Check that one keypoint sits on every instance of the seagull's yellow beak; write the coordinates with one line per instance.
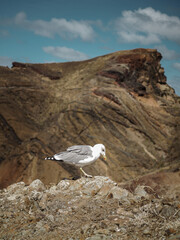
(104, 157)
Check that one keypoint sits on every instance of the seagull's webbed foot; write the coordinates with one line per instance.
(85, 174)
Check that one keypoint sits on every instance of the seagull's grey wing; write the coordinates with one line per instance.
(59, 156)
(81, 150)
(70, 157)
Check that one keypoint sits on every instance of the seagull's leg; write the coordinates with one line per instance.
(86, 175)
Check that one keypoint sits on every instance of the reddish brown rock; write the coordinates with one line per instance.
(121, 100)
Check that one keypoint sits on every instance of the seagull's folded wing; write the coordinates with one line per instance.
(81, 150)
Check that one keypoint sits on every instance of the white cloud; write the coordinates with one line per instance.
(177, 66)
(65, 53)
(147, 26)
(62, 27)
(5, 61)
(167, 53)
(4, 33)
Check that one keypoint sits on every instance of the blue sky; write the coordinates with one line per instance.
(40, 31)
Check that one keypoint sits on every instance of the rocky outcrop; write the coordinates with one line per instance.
(89, 209)
(121, 100)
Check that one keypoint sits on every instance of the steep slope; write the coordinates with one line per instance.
(121, 100)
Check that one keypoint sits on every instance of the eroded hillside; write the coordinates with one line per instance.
(121, 100)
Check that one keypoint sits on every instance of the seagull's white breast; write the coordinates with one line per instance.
(90, 159)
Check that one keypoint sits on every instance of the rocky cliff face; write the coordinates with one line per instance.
(91, 209)
(121, 100)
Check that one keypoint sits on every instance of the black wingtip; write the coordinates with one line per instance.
(49, 158)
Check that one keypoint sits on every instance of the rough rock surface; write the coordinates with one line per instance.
(121, 100)
(89, 209)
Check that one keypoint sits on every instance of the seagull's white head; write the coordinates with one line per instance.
(101, 149)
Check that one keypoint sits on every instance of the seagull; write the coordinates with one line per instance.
(80, 155)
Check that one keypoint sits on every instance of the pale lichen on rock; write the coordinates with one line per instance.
(95, 208)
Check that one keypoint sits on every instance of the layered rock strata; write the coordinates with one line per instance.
(121, 100)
